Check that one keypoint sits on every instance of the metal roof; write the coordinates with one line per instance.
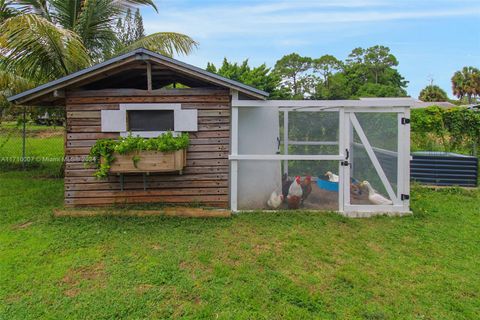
(141, 54)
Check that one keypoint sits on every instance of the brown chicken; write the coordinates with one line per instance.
(306, 188)
(294, 202)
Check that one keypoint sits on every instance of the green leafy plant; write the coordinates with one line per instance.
(101, 154)
(455, 129)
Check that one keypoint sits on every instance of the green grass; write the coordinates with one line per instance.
(43, 148)
(289, 265)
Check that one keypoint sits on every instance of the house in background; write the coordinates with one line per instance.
(416, 104)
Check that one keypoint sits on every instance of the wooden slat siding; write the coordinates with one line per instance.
(162, 99)
(187, 170)
(148, 93)
(139, 185)
(205, 179)
(97, 128)
(88, 178)
(96, 114)
(82, 147)
(221, 143)
(210, 200)
(145, 193)
(115, 106)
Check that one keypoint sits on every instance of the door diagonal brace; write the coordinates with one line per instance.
(373, 158)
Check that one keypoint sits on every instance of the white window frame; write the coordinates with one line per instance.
(116, 120)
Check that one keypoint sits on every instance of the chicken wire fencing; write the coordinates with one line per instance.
(27, 143)
(347, 159)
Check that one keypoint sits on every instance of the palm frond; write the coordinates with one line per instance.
(7, 10)
(166, 43)
(39, 7)
(65, 12)
(94, 25)
(40, 50)
(12, 83)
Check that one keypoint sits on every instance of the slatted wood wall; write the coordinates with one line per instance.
(205, 178)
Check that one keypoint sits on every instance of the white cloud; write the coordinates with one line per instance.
(287, 18)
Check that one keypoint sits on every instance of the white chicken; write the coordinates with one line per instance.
(295, 189)
(375, 197)
(275, 200)
(295, 193)
(332, 177)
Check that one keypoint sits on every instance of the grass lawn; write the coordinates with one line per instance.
(43, 147)
(252, 266)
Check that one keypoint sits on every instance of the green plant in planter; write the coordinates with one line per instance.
(105, 148)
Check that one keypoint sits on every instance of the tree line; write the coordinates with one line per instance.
(369, 72)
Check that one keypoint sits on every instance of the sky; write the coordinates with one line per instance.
(430, 38)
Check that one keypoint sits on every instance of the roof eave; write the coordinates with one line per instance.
(141, 54)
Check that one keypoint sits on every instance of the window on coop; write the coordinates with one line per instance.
(150, 120)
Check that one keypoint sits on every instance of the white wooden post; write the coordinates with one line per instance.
(341, 169)
(234, 152)
(285, 140)
(403, 174)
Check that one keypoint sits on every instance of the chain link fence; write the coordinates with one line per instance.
(31, 144)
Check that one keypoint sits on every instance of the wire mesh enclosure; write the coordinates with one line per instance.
(346, 156)
(25, 144)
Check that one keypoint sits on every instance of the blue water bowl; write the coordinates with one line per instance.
(327, 185)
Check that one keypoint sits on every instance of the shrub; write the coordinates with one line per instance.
(457, 128)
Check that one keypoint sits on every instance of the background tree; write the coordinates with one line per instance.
(130, 28)
(378, 59)
(259, 77)
(139, 30)
(371, 72)
(367, 72)
(466, 83)
(326, 65)
(292, 70)
(432, 93)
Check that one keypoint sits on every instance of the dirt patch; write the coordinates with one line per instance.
(17, 297)
(74, 277)
(375, 247)
(143, 288)
(48, 134)
(184, 265)
(156, 247)
(22, 225)
(260, 248)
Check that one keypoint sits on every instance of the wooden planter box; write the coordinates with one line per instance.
(150, 161)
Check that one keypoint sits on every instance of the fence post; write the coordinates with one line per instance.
(24, 133)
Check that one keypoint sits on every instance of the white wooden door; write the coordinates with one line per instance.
(375, 173)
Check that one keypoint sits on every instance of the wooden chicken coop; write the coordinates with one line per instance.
(244, 152)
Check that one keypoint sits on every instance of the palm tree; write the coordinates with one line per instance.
(45, 39)
(432, 93)
(466, 83)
